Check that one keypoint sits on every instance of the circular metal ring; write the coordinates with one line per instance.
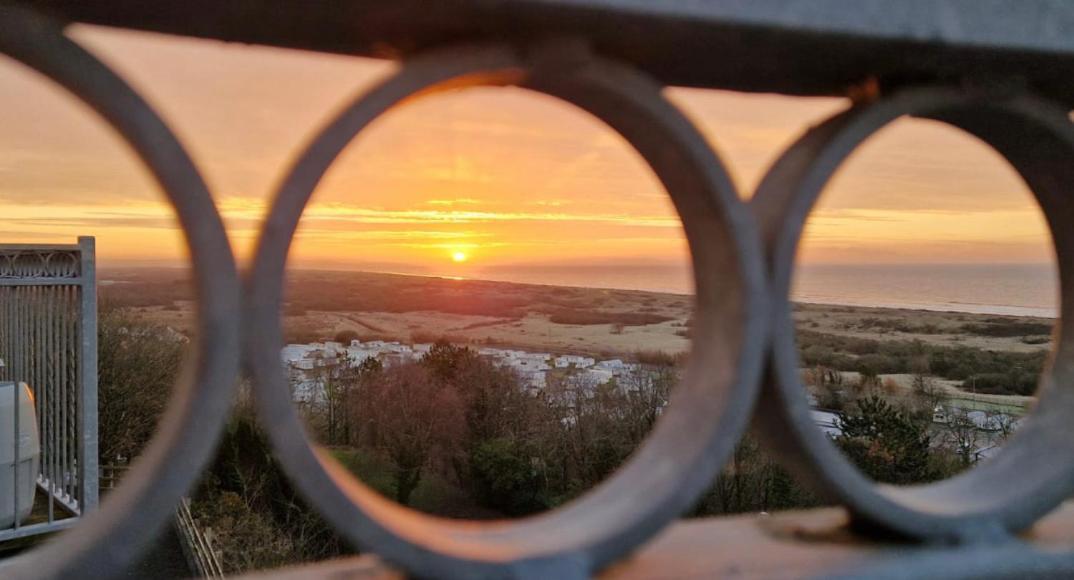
(709, 410)
(105, 542)
(1035, 470)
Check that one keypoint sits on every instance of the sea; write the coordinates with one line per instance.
(1004, 289)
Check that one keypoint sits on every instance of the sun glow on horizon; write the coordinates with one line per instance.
(472, 179)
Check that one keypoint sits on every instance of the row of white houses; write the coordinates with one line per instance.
(532, 367)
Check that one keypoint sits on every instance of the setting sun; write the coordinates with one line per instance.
(458, 257)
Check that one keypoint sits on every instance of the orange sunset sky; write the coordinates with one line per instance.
(478, 177)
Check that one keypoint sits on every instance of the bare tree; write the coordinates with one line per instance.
(409, 416)
(927, 396)
(138, 363)
(1004, 424)
(961, 434)
(335, 381)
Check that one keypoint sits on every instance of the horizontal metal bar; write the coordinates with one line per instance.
(802, 544)
(46, 281)
(34, 529)
(799, 47)
(39, 248)
(69, 504)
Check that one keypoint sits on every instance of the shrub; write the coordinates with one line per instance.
(504, 479)
(658, 358)
(346, 336)
(1002, 327)
(884, 442)
(137, 365)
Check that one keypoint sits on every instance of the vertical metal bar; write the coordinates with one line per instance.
(15, 487)
(73, 394)
(52, 418)
(62, 436)
(88, 379)
(65, 428)
(38, 345)
(33, 299)
(54, 371)
(19, 371)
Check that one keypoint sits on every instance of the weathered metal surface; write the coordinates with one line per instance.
(803, 544)
(1035, 471)
(708, 411)
(107, 540)
(86, 422)
(798, 47)
(1004, 58)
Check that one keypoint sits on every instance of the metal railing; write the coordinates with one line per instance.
(612, 59)
(197, 548)
(48, 340)
(201, 558)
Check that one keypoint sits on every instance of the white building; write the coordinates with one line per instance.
(578, 362)
(598, 376)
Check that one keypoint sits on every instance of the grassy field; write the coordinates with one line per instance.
(607, 323)
(957, 397)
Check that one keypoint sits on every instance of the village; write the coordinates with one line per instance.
(953, 425)
(533, 368)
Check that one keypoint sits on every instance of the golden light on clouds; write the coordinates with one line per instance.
(512, 176)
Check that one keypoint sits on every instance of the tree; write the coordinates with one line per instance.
(445, 360)
(335, 380)
(137, 364)
(409, 416)
(505, 477)
(962, 435)
(885, 442)
(927, 394)
(1004, 424)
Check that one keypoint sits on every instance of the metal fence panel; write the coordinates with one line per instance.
(48, 340)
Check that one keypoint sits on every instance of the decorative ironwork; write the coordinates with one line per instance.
(46, 304)
(668, 472)
(743, 322)
(106, 541)
(30, 263)
(1035, 471)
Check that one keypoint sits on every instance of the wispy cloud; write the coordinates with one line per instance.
(450, 202)
(369, 215)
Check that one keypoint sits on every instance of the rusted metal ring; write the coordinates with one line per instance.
(105, 542)
(1035, 470)
(709, 410)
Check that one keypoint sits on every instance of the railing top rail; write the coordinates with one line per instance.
(39, 247)
(798, 47)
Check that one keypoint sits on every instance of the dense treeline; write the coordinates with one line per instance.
(993, 326)
(455, 415)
